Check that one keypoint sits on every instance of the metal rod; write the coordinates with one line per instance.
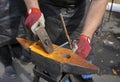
(110, 10)
(65, 29)
(61, 45)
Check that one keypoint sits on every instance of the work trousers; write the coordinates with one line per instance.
(10, 16)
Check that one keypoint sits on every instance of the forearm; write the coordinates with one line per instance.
(31, 4)
(94, 16)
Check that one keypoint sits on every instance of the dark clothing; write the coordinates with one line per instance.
(10, 16)
(5, 56)
(72, 13)
(67, 3)
(9, 21)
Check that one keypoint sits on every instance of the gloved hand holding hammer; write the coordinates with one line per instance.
(35, 18)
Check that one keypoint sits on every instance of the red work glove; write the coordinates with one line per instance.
(82, 46)
(35, 18)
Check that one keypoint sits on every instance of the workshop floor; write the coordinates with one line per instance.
(105, 54)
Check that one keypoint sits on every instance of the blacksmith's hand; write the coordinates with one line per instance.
(35, 18)
(82, 46)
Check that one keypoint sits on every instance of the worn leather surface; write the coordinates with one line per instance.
(67, 3)
(54, 26)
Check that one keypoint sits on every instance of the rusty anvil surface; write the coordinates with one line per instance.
(59, 61)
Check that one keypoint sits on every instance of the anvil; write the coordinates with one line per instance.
(57, 62)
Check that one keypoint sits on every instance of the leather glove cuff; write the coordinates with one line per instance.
(32, 10)
(84, 37)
